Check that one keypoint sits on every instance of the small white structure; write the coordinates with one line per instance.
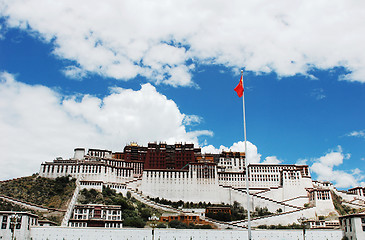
(79, 153)
(322, 224)
(95, 215)
(359, 191)
(16, 224)
(232, 161)
(353, 226)
(322, 199)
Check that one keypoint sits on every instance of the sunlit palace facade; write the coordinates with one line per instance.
(178, 171)
(181, 172)
(227, 168)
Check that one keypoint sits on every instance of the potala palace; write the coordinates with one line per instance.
(181, 172)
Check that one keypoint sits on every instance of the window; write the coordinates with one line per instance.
(350, 225)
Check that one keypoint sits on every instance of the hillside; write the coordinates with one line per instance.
(51, 193)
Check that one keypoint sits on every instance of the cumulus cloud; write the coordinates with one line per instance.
(252, 155)
(272, 160)
(38, 124)
(74, 72)
(324, 168)
(163, 40)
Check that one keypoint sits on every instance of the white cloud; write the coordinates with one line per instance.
(1, 32)
(272, 160)
(74, 72)
(38, 124)
(360, 133)
(192, 120)
(158, 40)
(302, 162)
(324, 168)
(252, 155)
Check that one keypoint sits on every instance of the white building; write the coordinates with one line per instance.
(96, 215)
(281, 187)
(353, 226)
(97, 165)
(359, 191)
(16, 224)
(232, 161)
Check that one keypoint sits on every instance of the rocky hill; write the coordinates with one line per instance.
(51, 193)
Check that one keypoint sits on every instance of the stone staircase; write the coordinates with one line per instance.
(72, 203)
(257, 196)
(140, 197)
(271, 216)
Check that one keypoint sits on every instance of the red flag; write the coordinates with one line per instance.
(239, 88)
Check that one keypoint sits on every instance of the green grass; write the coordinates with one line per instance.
(52, 193)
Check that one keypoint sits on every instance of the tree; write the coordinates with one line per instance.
(177, 224)
(129, 195)
(134, 222)
(146, 213)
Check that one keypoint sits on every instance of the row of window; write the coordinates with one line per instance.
(113, 225)
(320, 195)
(13, 223)
(77, 224)
(264, 178)
(84, 169)
(99, 153)
(167, 174)
(265, 169)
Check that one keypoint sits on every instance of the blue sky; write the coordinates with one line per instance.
(104, 75)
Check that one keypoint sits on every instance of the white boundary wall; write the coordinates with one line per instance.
(61, 233)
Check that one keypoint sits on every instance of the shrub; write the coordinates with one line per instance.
(220, 216)
(161, 225)
(134, 222)
(177, 224)
(146, 213)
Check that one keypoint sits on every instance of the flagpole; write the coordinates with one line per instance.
(246, 164)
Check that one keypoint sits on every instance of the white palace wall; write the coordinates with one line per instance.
(256, 202)
(187, 187)
(299, 201)
(292, 185)
(86, 171)
(67, 233)
(181, 185)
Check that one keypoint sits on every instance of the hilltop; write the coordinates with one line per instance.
(50, 193)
